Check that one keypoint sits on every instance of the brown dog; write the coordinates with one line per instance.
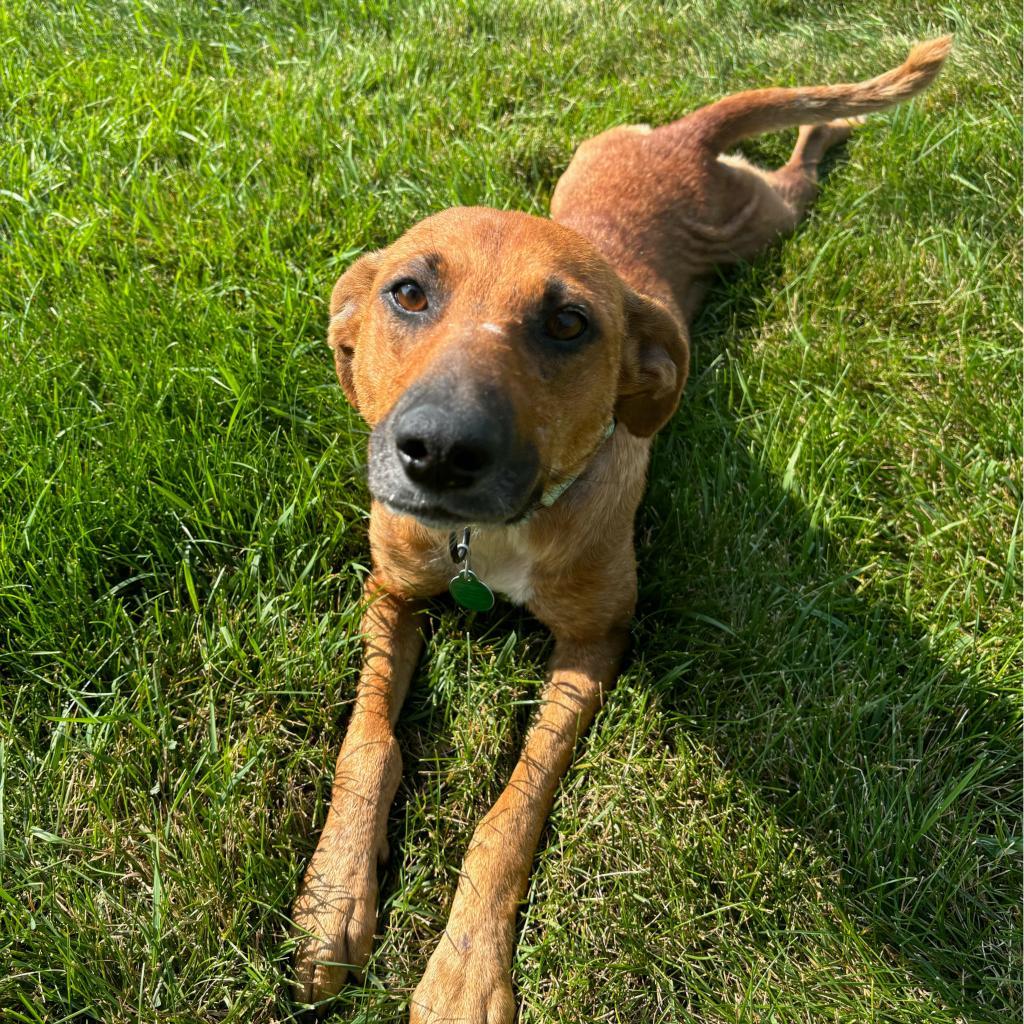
(514, 370)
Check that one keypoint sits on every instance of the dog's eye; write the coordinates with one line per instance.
(566, 324)
(410, 296)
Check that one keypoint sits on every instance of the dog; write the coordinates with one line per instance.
(513, 371)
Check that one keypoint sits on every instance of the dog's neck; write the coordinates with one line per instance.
(556, 490)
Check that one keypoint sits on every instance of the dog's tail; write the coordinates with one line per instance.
(721, 125)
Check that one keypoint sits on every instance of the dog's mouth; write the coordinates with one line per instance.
(434, 517)
(448, 512)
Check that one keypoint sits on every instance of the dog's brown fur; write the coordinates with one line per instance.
(639, 220)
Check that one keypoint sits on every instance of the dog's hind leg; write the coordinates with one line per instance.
(785, 194)
(796, 181)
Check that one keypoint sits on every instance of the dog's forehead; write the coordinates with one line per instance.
(503, 249)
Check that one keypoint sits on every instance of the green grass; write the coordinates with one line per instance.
(802, 803)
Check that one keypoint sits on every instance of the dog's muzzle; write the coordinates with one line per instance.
(450, 454)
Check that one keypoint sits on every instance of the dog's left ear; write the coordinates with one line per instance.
(655, 363)
(347, 304)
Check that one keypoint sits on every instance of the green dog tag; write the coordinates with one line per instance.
(471, 592)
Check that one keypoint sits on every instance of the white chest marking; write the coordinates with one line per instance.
(502, 560)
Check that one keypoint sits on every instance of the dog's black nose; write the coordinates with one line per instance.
(444, 449)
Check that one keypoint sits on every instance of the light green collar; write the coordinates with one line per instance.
(555, 491)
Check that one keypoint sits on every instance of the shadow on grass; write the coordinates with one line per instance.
(901, 767)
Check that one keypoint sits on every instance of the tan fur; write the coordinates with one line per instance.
(639, 220)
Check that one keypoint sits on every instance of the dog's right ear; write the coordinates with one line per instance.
(348, 302)
(655, 363)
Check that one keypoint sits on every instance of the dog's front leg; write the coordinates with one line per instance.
(468, 976)
(335, 913)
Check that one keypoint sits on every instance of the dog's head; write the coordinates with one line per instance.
(489, 351)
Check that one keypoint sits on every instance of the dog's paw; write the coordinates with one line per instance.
(471, 986)
(833, 133)
(335, 918)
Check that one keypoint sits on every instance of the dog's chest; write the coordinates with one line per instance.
(504, 561)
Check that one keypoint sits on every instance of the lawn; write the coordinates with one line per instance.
(801, 804)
